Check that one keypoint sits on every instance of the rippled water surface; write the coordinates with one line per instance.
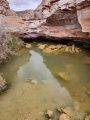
(26, 100)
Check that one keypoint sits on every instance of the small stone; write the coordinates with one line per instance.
(67, 111)
(28, 80)
(34, 82)
(52, 47)
(64, 75)
(28, 46)
(77, 50)
(50, 114)
(47, 50)
(59, 46)
(64, 117)
(88, 92)
(42, 46)
(87, 117)
(59, 109)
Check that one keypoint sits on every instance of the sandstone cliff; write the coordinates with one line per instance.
(8, 18)
(5, 9)
(63, 12)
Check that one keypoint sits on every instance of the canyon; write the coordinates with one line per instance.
(52, 20)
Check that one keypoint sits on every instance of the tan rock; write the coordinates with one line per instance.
(77, 50)
(64, 117)
(28, 45)
(67, 49)
(87, 117)
(68, 111)
(73, 48)
(50, 114)
(47, 50)
(52, 47)
(42, 46)
(64, 75)
(59, 46)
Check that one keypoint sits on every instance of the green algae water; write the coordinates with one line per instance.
(26, 100)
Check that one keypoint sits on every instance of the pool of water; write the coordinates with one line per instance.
(26, 100)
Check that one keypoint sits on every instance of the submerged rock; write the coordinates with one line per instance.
(47, 50)
(42, 46)
(29, 80)
(64, 75)
(50, 114)
(88, 92)
(3, 84)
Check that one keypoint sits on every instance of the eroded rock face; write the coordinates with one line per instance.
(64, 12)
(9, 19)
(5, 9)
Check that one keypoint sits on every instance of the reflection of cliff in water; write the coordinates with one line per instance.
(37, 70)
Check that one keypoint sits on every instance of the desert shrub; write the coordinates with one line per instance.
(8, 45)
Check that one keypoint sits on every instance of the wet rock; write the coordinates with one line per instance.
(59, 46)
(88, 92)
(59, 109)
(29, 80)
(67, 49)
(64, 75)
(87, 117)
(67, 111)
(64, 117)
(3, 84)
(42, 46)
(28, 46)
(47, 50)
(52, 47)
(34, 82)
(73, 48)
(77, 50)
(62, 49)
(50, 114)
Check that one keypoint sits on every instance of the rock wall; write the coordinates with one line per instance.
(9, 18)
(5, 9)
(64, 12)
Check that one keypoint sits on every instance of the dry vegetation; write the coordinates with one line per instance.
(8, 45)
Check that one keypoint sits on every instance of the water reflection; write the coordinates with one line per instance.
(37, 70)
